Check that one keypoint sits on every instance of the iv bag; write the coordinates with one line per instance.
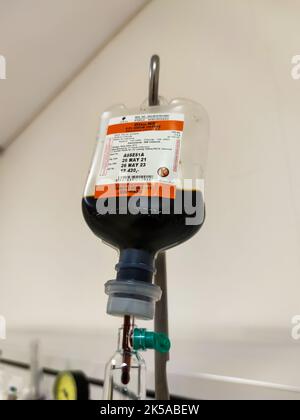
(145, 192)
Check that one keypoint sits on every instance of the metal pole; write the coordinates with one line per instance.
(161, 323)
(154, 80)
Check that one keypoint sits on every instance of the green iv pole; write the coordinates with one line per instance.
(161, 324)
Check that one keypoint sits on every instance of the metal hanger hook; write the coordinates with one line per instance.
(154, 80)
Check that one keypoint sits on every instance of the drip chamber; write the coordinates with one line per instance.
(125, 372)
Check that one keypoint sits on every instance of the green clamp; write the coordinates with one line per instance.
(143, 339)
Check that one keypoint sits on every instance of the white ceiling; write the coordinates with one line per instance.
(45, 44)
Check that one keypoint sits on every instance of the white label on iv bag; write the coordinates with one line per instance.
(141, 156)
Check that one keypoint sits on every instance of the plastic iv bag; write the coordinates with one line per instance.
(145, 192)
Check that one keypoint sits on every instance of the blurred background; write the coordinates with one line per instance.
(234, 288)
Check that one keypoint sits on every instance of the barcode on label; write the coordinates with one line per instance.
(135, 177)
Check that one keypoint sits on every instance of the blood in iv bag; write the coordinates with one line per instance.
(156, 227)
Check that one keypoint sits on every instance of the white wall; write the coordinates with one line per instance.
(45, 43)
(240, 277)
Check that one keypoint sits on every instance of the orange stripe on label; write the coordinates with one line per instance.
(141, 189)
(145, 126)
